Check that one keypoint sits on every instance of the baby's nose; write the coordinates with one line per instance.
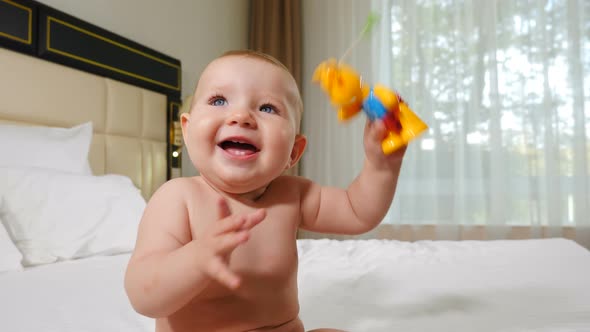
(241, 117)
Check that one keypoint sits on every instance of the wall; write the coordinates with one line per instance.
(194, 32)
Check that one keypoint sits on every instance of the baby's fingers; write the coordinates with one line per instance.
(242, 222)
(375, 130)
(230, 224)
(226, 243)
(254, 219)
(220, 272)
(223, 210)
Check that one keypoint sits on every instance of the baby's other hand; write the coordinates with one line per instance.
(375, 132)
(221, 238)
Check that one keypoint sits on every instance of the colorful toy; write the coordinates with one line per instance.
(349, 94)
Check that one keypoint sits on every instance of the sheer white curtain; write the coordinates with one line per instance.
(505, 89)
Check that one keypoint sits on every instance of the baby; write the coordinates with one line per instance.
(217, 252)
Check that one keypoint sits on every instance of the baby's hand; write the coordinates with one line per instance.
(375, 132)
(221, 238)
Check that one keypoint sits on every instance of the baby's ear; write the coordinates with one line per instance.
(297, 150)
(184, 121)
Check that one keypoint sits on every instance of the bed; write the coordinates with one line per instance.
(88, 131)
(85, 136)
(368, 285)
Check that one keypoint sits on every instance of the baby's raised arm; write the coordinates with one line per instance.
(168, 267)
(362, 206)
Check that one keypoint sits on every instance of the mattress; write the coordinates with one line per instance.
(524, 285)
(84, 295)
(368, 285)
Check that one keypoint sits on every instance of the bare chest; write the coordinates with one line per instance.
(269, 257)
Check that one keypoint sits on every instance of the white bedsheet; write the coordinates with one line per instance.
(84, 295)
(534, 285)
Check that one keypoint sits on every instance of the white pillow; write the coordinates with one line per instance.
(10, 257)
(63, 149)
(54, 216)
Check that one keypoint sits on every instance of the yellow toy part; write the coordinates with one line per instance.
(349, 95)
(387, 97)
(342, 85)
(411, 127)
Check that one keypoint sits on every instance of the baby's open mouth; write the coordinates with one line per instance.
(238, 148)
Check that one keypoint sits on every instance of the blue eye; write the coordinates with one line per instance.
(268, 109)
(217, 101)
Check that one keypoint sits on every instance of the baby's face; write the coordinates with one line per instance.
(242, 125)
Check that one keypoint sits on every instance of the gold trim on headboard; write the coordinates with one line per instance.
(29, 39)
(120, 71)
(175, 141)
(175, 131)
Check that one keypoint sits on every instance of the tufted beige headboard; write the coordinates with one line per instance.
(129, 122)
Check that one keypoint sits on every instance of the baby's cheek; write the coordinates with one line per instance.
(204, 132)
(284, 144)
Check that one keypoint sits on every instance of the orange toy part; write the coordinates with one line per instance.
(350, 95)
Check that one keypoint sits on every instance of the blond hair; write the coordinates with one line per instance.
(272, 60)
(259, 55)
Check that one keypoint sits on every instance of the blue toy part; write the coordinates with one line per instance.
(373, 107)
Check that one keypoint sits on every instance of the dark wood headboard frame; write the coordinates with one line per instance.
(36, 29)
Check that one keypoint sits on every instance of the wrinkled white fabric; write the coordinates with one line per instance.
(373, 286)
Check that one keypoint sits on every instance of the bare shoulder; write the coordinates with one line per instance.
(175, 188)
(165, 225)
(176, 193)
(296, 187)
(292, 182)
(308, 193)
(306, 188)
